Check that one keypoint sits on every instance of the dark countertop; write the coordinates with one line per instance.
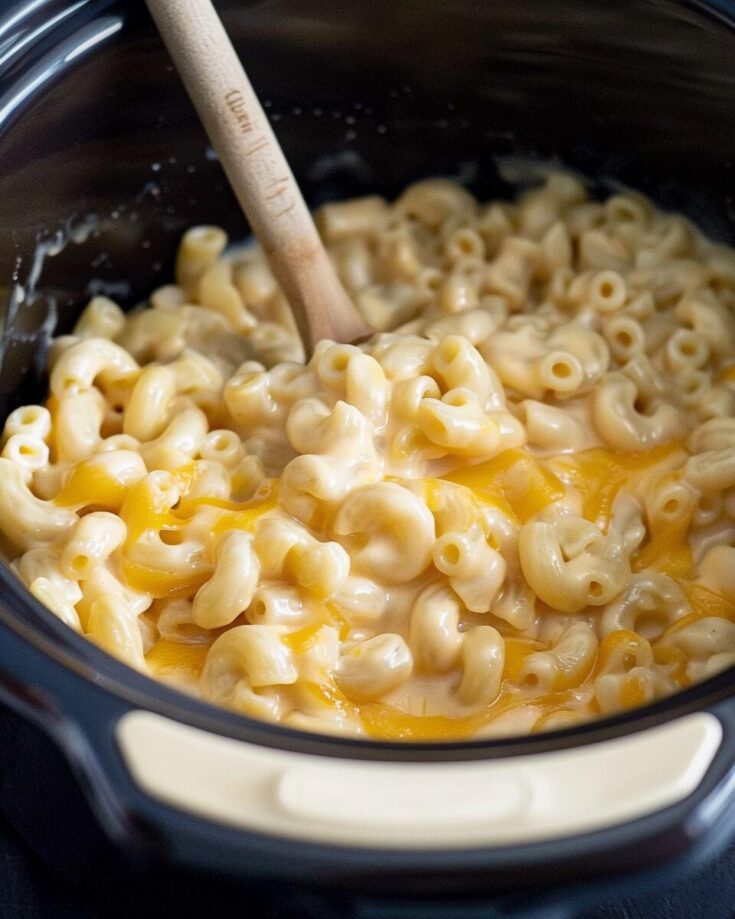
(29, 891)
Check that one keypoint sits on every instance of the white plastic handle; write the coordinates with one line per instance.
(418, 805)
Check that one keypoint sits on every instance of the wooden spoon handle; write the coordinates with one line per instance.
(257, 169)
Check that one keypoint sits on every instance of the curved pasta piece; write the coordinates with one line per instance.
(287, 550)
(566, 665)
(387, 530)
(648, 605)
(483, 658)
(79, 366)
(434, 633)
(221, 599)
(113, 625)
(370, 669)
(569, 564)
(25, 520)
(621, 425)
(252, 654)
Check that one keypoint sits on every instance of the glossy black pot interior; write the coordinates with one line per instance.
(96, 132)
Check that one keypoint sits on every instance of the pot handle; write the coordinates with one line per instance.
(437, 805)
(650, 800)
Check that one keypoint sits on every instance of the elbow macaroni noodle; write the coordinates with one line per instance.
(513, 508)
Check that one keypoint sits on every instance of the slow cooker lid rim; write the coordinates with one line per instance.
(23, 24)
(721, 11)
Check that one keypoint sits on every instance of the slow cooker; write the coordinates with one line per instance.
(113, 778)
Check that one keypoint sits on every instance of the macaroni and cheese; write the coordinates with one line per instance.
(512, 509)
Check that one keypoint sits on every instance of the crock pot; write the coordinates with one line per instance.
(111, 776)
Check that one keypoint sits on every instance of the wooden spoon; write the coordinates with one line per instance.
(257, 169)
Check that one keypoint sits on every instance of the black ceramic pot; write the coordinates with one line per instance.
(113, 777)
